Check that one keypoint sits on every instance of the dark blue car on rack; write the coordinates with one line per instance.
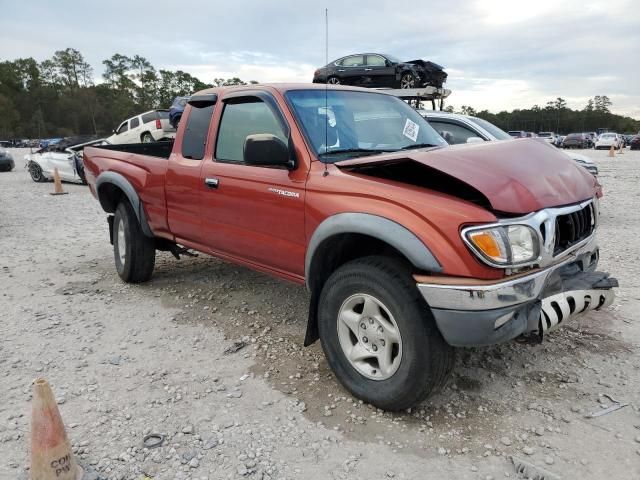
(175, 112)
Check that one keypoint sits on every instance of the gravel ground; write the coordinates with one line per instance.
(126, 360)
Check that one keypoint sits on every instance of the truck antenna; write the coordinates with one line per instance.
(326, 88)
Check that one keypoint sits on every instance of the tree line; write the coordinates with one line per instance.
(556, 117)
(59, 97)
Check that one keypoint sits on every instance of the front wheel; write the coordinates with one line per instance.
(379, 336)
(133, 251)
(36, 173)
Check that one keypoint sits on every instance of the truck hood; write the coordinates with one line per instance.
(516, 176)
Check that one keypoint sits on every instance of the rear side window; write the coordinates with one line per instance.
(240, 120)
(195, 134)
(134, 122)
(149, 117)
(163, 114)
(354, 61)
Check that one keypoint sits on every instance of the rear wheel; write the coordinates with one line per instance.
(146, 138)
(134, 252)
(333, 81)
(36, 173)
(379, 336)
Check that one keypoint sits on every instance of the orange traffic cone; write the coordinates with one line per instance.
(51, 456)
(57, 183)
(612, 152)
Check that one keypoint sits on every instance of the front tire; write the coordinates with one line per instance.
(379, 336)
(36, 173)
(133, 251)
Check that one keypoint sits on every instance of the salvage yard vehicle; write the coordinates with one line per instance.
(147, 127)
(377, 70)
(409, 247)
(549, 137)
(456, 128)
(176, 110)
(608, 140)
(576, 140)
(634, 144)
(6, 161)
(66, 156)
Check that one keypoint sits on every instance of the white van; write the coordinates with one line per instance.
(151, 126)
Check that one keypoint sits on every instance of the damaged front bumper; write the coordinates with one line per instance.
(486, 313)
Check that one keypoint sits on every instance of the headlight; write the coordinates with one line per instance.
(506, 246)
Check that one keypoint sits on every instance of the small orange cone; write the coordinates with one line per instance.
(612, 152)
(57, 183)
(51, 456)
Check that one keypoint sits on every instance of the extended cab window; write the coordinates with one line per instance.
(240, 119)
(134, 122)
(195, 134)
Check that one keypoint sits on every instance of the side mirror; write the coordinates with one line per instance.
(266, 150)
(474, 140)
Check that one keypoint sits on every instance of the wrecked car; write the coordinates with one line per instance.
(375, 70)
(409, 247)
(65, 155)
(6, 161)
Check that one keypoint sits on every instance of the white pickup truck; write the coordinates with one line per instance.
(151, 126)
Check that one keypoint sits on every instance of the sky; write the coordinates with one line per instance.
(499, 54)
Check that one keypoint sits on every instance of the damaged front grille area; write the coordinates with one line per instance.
(558, 308)
(571, 228)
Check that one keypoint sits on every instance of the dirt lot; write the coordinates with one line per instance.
(128, 360)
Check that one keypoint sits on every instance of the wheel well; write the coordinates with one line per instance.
(331, 254)
(339, 249)
(145, 133)
(110, 196)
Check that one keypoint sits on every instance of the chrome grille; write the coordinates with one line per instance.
(571, 228)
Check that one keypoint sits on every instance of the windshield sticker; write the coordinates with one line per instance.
(411, 130)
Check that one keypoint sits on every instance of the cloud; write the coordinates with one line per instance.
(500, 54)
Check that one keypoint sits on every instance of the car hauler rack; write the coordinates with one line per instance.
(417, 95)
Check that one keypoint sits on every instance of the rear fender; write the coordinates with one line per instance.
(109, 203)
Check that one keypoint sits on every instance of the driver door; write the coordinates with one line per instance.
(252, 213)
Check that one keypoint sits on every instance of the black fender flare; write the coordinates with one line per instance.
(125, 186)
(375, 226)
(388, 231)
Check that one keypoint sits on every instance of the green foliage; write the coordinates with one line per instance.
(557, 117)
(58, 97)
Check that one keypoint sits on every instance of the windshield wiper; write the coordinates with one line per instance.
(365, 151)
(418, 145)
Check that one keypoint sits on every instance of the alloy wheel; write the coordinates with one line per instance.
(369, 337)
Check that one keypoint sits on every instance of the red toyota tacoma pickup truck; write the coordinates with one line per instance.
(409, 247)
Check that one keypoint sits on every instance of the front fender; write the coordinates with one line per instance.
(378, 227)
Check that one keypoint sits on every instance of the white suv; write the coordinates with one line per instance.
(147, 127)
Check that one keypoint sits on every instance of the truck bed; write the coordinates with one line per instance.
(154, 149)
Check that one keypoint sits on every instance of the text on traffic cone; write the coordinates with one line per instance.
(51, 456)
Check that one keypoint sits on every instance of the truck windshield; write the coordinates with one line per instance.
(347, 124)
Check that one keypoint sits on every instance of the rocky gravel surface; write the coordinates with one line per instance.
(207, 360)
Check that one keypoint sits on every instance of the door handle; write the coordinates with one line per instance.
(341, 70)
(367, 69)
(211, 182)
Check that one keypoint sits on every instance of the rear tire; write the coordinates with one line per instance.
(408, 80)
(133, 251)
(333, 81)
(419, 360)
(146, 138)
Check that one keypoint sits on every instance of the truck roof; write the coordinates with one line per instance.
(284, 87)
